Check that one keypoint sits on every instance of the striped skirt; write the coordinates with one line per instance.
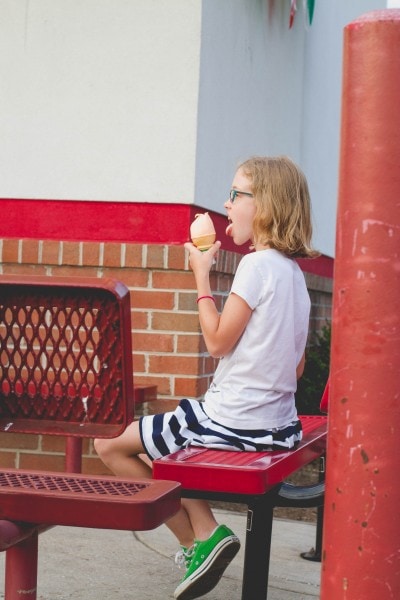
(188, 425)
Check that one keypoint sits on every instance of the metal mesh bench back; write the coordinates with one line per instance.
(65, 356)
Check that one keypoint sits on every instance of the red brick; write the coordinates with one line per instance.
(57, 443)
(10, 250)
(86, 445)
(152, 299)
(15, 269)
(133, 255)
(174, 280)
(70, 253)
(190, 343)
(165, 321)
(91, 451)
(227, 261)
(30, 251)
(194, 387)
(163, 383)
(155, 257)
(112, 255)
(19, 441)
(214, 277)
(94, 466)
(187, 301)
(184, 365)
(153, 342)
(41, 462)
(162, 406)
(144, 394)
(131, 277)
(50, 252)
(139, 365)
(224, 283)
(8, 460)
(90, 254)
(53, 443)
(72, 271)
(140, 319)
(208, 364)
(176, 258)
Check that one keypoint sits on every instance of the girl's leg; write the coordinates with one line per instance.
(194, 521)
(199, 512)
(201, 518)
(125, 457)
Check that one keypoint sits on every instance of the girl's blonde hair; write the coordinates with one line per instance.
(283, 209)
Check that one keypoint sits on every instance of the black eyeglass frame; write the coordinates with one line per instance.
(234, 193)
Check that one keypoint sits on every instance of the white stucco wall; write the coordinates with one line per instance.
(250, 99)
(268, 89)
(322, 91)
(99, 99)
(158, 100)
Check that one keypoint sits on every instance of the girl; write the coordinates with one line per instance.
(260, 338)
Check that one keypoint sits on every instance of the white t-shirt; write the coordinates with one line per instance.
(254, 385)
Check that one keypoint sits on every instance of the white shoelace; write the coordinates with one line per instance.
(184, 556)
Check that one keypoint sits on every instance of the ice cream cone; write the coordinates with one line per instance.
(202, 232)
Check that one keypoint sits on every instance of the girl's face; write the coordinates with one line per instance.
(241, 210)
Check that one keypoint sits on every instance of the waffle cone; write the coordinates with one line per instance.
(204, 242)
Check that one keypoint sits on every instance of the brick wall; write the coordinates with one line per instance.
(320, 289)
(168, 349)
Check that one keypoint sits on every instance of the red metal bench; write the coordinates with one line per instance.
(66, 369)
(255, 479)
(315, 553)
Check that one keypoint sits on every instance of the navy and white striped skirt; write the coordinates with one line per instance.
(188, 425)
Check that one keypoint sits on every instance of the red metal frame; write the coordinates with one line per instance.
(52, 498)
(66, 369)
(248, 473)
(134, 222)
(251, 478)
(63, 370)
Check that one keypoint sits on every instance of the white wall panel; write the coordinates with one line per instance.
(99, 99)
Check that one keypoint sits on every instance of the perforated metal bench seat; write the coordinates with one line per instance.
(66, 370)
(247, 473)
(86, 501)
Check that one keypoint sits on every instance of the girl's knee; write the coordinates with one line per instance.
(126, 445)
(102, 447)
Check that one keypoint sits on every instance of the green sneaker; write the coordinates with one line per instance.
(208, 562)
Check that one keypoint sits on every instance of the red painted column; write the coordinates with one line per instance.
(361, 546)
(21, 569)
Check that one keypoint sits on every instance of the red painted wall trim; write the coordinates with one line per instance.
(135, 222)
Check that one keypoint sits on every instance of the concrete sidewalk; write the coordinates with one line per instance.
(94, 564)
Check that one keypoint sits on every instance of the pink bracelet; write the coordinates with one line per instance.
(203, 297)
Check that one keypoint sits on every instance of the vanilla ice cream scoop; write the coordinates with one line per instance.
(202, 232)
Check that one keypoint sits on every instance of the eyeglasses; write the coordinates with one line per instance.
(234, 193)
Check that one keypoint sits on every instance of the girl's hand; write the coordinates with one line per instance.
(220, 331)
(201, 262)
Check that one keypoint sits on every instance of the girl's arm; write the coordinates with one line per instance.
(300, 366)
(220, 331)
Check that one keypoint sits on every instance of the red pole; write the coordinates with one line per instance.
(361, 546)
(21, 570)
(73, 454)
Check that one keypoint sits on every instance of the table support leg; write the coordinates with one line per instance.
(258, 548)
